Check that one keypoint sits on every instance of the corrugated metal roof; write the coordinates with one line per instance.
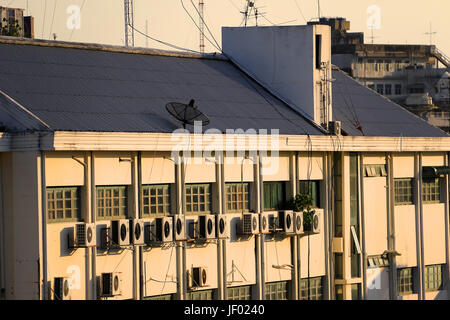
(88, 90)
(358, 106)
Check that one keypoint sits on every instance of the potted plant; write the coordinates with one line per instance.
(302, 203)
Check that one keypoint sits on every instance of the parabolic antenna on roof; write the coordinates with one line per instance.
(186, 113)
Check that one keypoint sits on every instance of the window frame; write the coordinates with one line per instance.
(281, 202)
(209, 294)
(277, 288)
(125, 206)
(167, 200)
(431, 190)
(74, 211)
(246, 201)
(239, 295)
(403, 199)
(314, 187)
(406, 281)
(207, 202)
(315, 288)
(439, 277)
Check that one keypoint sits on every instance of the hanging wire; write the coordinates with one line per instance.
(206, 25)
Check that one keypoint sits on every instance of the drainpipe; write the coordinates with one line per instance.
(391, 229)
(93, 220)
(330, 222)
(179, 179)
(294, 249)
(363, 225)
(258, 242)
(220, 190)
(43, 261)
(447, 231)
(224, 242)
(87, 209)
(418, 207)
(139, 212)
(135, 215)
(326, 230)
(297, 238)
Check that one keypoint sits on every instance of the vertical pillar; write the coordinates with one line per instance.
(93, 217)
(44, 294)
(447, 231)
(391, 228)
(219, 196)
(293, 181)
(135, 215)
(260, 208)
(363, 226)
(418, 207)
(179, 182)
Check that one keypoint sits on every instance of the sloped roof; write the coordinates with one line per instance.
(363, 111)
(73, 89)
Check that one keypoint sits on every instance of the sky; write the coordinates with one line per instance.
(102, 21)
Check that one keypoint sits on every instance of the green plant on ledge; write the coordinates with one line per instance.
(303, 203)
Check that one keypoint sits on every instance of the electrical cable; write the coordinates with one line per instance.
(43, 20)
(167, 272)
(53, 18)
(299, 9)
(206, 25)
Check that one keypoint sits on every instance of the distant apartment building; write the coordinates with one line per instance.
(11, 15)
(415, 76)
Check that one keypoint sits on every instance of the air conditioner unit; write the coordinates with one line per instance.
(298, 223)
(286, 221)
(221, 227)
(163, 230)
(110, 284)
(179, 228)
(198, 277)
(264, 226)
(206, 227)
(61, 289)
(249, 224)
(316, 222)
(83, 236)
(120, 232)
(137, 231)
(335, 128)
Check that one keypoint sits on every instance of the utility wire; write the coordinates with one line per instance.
(187, 12)
(53, 19)
(206, 25)
(300, 10)
(43, 20)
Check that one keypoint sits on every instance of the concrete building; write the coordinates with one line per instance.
(87, 144)
(413, 76)
(25, 23)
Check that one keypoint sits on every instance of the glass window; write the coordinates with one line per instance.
(315, 289)
(63, 204)
(274, 195)
(112, 202)
(388, 89)
(403, 189)
(405, 281)
(238, 197)
(398, 89)
(380, 89)
(311, 188)
(161, 297)
(433, 277)
(239, 293)
(277, 290)
(198, 198)
(156, 200)
(356, 291)
(387, 65)
(431, 191)
(200, 295)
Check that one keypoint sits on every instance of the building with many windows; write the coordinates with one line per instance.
(104, 195)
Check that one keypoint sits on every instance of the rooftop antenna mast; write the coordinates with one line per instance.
(201, 5)
(129, 23)
(249, 6)
(431, 34)
(318, 9)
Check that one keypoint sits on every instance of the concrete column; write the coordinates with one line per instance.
(221, 288)
(418, 207)
(294, 250)
(258, 242)
(326, 226)
(446, 276)
(42, 196)
(93, 217)
(179, 184)
(135, 215)
(391, 228)
(363, 226)
(87, 215)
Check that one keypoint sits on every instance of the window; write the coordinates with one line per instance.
(379, 65)
(375, 170)
(403, 189)
(63, 204)
(238, 197)
(398, 64)
(315, 289)
(387, 65)
(431, 191)
(433, 277)
(274, 195)
(161, 297)
(339, 292)
(311, 188)
(156, 199)
(388, 89)
(377, 261)
(356, 291)
(198, 198)
(112, 202)
(277, 290)
(200, 295)
(398, 89)
(405, 281)
(371, 86)
(239, 293)
(339, 266)
(380, 89)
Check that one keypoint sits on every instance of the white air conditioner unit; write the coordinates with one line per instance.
(83, 236)
(206, 227)
(120, 232)
(286, 221)
(137, 231)
(249, 224)
(61, 289)
(110, 284)
(179, 228)
(264, 226)
(335, 128)
(162, 230)
(298, 223)
(198, 277)
(222, 226)
(316, 222)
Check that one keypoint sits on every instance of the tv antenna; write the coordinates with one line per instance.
(249, 7)
(431, 34)
(201, 24)
(129, 23)
(372, 37)
(186, 113)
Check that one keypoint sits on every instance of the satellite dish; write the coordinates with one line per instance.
(186, 113)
